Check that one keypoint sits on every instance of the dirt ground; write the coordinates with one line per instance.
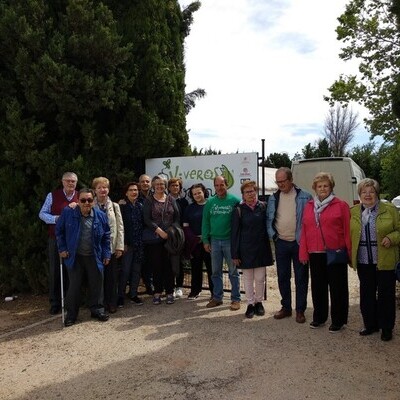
(186, 351)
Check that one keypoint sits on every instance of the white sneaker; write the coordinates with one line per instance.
(178, 292)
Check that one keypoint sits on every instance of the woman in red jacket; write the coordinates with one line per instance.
(326, 225)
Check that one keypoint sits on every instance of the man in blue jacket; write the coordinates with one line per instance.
(284, 218)
(83, 239)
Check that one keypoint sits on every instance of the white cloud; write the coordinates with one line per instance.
(265, 65)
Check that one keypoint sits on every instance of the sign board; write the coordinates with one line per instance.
(236, 168)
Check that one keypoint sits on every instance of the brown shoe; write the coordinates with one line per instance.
(300, 318)
(282, 313)
(235, 305)
(213, 303)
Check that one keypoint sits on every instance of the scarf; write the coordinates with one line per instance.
(366, 214)
(320, 206)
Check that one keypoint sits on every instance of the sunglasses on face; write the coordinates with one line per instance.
(89, 200)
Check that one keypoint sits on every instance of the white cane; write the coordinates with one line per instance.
(62, 291)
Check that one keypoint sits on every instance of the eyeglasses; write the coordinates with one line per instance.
(89, 200)
(249, 191)
(280, 182)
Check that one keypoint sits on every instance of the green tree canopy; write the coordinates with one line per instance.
(370, 35)
(85, 86)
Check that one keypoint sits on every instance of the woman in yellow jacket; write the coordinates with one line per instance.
(375, 236)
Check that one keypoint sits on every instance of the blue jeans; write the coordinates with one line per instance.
(287, 252)
(220, 250)
(130, 271)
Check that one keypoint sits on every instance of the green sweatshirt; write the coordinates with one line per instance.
(217, 214)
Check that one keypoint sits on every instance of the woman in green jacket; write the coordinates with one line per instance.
(375, 237)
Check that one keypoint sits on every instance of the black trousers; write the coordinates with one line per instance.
(84, 266)
(377, 296)
(196, 263)
(163, 276)
(111, 274)
(329, 280)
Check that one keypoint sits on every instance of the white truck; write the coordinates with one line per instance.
(346, 173)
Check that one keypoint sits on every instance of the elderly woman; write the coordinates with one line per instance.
(192, 220)
(132, 216)
(160, 212)
(101, 186)
(250, 246)
(326, 225)
(375, 236)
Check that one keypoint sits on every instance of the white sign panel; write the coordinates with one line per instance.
(236, 168)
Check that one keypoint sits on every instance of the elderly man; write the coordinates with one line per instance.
(83, 238)
(49, 213)
(284, 216)
(144, 186)
(216, 237)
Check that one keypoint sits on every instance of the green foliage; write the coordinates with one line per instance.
(369, 33)
(320, 149)
(390, 170)
(85, 86)
(369, 159)
(278, 160)
(204, 152)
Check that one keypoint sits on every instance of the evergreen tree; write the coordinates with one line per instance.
(85, 86)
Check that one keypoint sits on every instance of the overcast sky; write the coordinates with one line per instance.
(265, 65)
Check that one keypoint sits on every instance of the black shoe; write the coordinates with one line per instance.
(150, 290)
(101, 316)
(136, 300)
(259, 309)
(120, 302)
(368, 331)
(316, 325)
(69, 321)
(55, 310)
(386, 335)
(335, 328)
(250, 311)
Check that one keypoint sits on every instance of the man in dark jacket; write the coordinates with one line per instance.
(83, 239)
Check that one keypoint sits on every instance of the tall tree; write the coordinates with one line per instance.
(278, 160)
(92, 87)
(340, 125)
(390, 168)
(369, 33)
(320, 149)
(369, 159)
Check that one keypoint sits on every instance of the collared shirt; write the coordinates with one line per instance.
(85, 246)
(368, 247)
(45, 212)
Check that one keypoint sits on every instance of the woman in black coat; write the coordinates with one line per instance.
(250, 247)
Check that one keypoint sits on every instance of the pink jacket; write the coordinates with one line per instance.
(334, 223)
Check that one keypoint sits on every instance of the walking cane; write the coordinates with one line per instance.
(62, 291)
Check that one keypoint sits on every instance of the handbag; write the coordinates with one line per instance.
(338, 256)
(334, 256)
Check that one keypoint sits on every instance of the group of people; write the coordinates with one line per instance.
(322, 232)
(153, 229)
